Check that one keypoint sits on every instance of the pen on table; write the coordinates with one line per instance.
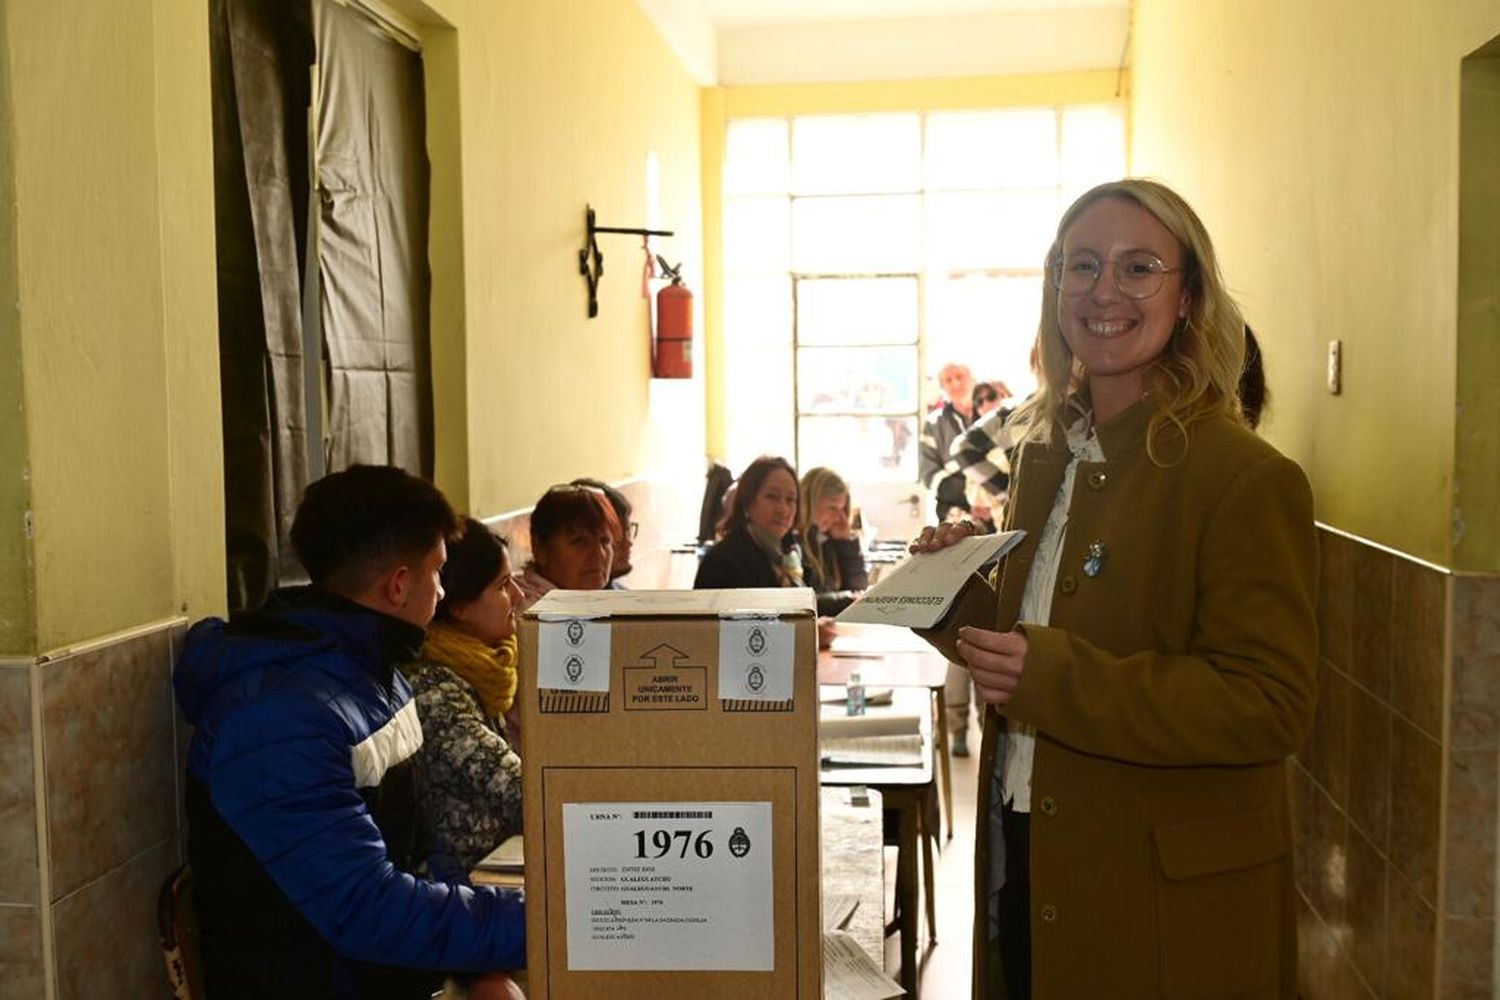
(839, 654)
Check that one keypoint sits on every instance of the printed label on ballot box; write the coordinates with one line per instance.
(669, 886)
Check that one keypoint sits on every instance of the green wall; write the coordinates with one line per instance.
(117, 324)
(17, 626)
(1319, 141)
(107, 245)
(559, 105)
(1476, 487)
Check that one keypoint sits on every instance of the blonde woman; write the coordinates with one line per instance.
(833, 564)
(1149, 658)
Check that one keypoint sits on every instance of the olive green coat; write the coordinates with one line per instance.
(1167, 691)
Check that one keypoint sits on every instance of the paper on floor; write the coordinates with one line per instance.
(850, 974)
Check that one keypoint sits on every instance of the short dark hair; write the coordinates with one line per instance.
(749, 484)
(617, 500)
(474, 560)
(352, 526)
(567, 506)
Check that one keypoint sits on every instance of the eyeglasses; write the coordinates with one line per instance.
(1138, 274)
(632, 529)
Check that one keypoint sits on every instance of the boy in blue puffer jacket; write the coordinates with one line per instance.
(306, 834)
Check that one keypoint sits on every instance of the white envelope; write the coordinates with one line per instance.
(918, 592)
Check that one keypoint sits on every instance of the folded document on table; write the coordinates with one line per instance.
(508, 857)
(871, 741)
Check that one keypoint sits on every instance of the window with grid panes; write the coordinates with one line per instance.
(863, 252)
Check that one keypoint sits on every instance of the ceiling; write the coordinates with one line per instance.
(756, 42)
(741, 13)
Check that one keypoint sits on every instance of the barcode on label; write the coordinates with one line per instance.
(675, 814)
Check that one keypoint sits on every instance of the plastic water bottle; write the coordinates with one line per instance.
(854, 694)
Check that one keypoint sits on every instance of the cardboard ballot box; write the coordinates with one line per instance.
(670, 766)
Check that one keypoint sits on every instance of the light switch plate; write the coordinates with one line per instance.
(1335, 367)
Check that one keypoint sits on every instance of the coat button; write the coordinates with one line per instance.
(1067, 585)
(1049, 806)
(1049, 914)
(1097, 480)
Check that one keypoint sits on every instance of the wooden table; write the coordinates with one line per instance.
(887, 656)
(908, 791)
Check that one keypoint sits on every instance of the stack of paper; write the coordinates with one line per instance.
(508, 857)
(871, 741)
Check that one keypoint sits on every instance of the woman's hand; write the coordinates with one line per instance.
(995, 659)
(834, 522)
(936, 538)
(827, 629)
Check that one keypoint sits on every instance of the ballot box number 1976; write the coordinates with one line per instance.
(669, 885)
(660, 842)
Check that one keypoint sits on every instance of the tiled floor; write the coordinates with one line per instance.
(946, 965)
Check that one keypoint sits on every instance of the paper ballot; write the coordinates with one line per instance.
(850, 974)
(919, 591)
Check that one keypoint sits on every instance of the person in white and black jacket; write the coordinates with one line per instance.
(936, 469)
(991, 437)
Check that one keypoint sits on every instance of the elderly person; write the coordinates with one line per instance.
(937, 471)
(1149, 657)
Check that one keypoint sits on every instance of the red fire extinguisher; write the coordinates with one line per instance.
(672, 353)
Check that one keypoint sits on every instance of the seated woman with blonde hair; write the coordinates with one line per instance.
(832, 563)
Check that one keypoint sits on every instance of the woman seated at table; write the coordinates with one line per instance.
(832, 563)
(464, 683)
(759, 547)
(573, 531)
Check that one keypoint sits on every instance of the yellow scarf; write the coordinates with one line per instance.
(490, 672)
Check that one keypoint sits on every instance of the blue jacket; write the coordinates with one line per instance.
(307, 837)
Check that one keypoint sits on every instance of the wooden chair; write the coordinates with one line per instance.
(177, 926)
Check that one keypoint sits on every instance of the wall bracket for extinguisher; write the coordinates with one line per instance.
(591, 261)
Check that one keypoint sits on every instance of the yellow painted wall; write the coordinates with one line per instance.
(17, 625)
(1319, 141)
(1476, 460)
(115, 276)
(559, 105)
(534, 109)
(721, 104)
(184, 165)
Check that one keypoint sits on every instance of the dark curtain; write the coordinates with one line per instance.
(370, 286)
(372, 245)
(261, 51)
